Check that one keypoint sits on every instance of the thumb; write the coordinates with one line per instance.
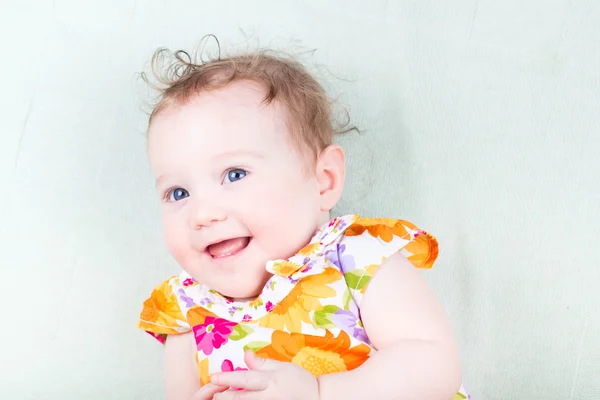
(257, 363)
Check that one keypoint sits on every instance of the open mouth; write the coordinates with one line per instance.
(227, 248)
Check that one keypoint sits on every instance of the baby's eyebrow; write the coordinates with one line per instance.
(159, 180)
(239, 153)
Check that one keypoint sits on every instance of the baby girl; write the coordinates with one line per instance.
(277, 300)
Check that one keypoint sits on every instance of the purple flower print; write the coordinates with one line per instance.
(348, 321)
(212, 334)
(307, 265)
(341, 225)
(345, 262)
(206, 302)
(185, 298)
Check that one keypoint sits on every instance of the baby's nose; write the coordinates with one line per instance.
(207, 213)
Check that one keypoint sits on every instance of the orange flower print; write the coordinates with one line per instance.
(383, 228)
(162, 311)
(197, 315)
(422, 251)
(318, 355)
(296, 307)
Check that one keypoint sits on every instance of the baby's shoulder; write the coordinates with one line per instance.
(162, 313)
(372, 240)
(366, 243)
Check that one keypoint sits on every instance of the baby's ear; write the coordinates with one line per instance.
(331, 172)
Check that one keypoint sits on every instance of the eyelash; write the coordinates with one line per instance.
(228, 170)
(167, 195)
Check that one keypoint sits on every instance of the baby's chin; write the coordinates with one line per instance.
(241, 292)
(241, 295)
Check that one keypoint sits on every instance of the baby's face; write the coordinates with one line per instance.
(234, 191)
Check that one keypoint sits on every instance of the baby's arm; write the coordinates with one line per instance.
(181, 371)
(417, 357)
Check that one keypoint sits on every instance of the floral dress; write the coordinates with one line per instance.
(307, 313)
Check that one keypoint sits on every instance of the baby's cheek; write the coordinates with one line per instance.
(174, 241)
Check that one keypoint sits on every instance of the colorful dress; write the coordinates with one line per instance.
(307, 313)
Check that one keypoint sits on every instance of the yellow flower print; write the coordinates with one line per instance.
(296, 307)
(285, 268)
(203, 369)
(257, 302)
(310, 249)
(318, 355)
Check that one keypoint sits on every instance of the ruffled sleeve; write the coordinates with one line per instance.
(368, 242)
(162, 313)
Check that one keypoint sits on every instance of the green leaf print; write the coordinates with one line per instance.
(255, 346)
(240, 331)
(357, 279)
(346, 299)
(320, 320)
(321, 317)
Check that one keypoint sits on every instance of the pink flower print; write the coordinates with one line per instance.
(269, 306)
(188, 282)
(227, 366)
(246, 318)
(161, 337)
(212, 334)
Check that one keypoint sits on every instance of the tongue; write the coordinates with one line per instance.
(228, 247)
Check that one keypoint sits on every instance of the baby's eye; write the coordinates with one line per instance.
(176, 194)
(234, 175)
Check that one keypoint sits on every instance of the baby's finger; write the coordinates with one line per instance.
(245, 395)
(207, 391)
(248, 380)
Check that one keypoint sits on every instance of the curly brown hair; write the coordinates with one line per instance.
(285, 80)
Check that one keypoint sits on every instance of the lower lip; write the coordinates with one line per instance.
(226, 257)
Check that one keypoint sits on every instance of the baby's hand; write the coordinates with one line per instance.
(208, 391)
(267, 380)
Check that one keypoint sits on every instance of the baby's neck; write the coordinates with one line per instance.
(324, 218)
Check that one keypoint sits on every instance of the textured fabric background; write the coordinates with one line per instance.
(481, 125)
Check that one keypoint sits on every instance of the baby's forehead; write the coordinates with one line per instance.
(228, 117)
